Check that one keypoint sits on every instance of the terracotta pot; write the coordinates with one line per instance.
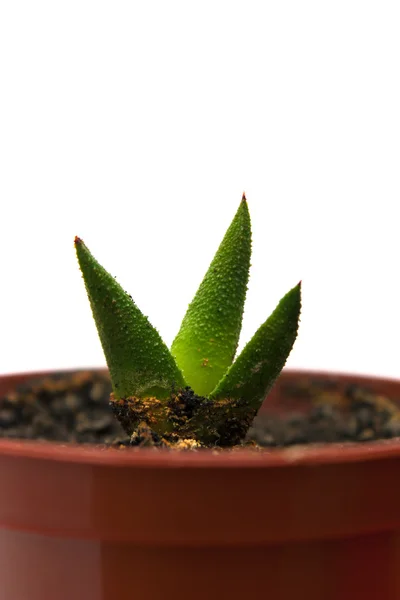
(99, 524)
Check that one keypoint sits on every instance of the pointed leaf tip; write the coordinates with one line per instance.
(77, 240)
(258, 365)
(244, 197)
(206, 343)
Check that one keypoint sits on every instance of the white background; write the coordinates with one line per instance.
(137, 125)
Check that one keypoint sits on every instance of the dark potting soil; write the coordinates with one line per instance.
(70, 407)
(75, 407)
(330, 412)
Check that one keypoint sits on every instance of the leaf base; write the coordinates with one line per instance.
(184, 418)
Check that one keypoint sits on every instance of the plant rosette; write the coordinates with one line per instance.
(196, 393)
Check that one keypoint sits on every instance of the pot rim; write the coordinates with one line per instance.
(315, 454)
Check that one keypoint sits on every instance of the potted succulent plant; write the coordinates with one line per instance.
(195, 507)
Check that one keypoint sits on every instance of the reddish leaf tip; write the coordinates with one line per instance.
(77, 240)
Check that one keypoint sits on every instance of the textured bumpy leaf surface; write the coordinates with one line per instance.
(262, 359)
(140, 363)
(206, 343)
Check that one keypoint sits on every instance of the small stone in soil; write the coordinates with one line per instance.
(391, 429)
(8, 417)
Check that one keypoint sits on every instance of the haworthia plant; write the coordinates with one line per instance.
(195, 390)
(207, 340)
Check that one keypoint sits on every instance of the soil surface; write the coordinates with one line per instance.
(62, 408)
(75, 407)
(327, 412)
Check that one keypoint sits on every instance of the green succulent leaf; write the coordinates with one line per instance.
(139, 362)
(206, 343)
(254, 371)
